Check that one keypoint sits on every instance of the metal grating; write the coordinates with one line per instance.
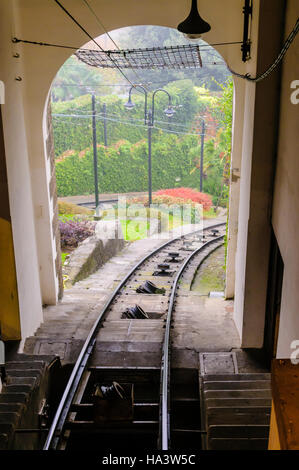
(173, 57)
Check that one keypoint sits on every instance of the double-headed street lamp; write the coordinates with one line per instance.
(149, 120)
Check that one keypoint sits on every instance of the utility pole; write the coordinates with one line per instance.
(95, 156)
(105, 125)
(149, 123)
(201, 153)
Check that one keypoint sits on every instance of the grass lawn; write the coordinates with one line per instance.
(63, 256)
(132, 229)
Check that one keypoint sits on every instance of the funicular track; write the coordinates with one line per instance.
(153, 390)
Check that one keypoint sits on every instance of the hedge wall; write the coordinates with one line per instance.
(75, 133)
(123, 167)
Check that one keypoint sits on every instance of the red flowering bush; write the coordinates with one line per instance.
(187, 195)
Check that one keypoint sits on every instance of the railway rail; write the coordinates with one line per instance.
(75, 416)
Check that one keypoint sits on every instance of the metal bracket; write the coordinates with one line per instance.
(43, 414)
(3, 375)
(246, 45)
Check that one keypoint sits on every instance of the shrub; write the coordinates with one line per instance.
(186, 195)
(69, 208)
(123, 167)
(72, 232)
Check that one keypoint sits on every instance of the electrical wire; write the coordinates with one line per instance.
(91, 38)
(111, 39)
(279, 58)
(83, 64)
(256, 79)
(66, 85)
(100, 23)
(156, 127)
(76, 48)
(131, 124)
(114, 115)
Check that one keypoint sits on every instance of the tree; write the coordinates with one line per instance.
(73, 77)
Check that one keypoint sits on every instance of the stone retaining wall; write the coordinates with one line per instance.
(94, 252)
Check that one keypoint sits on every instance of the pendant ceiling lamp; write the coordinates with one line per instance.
(194, 26)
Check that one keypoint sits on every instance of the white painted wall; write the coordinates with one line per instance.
(234, 193)
(258, 165)
(285, 218)
(244, 208)
(19, 181)
(244, 159)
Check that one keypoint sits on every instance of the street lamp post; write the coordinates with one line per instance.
(203, 129)
(149, 134)
(105, 125)
(95, 151)
(95, 156)
(149, 116)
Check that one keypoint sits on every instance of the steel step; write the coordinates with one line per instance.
(264, 393)
(239, 431)
(238, 444)
(237, 402)
(238, 385)
(236, 411)
(238, 416)
(236, 377)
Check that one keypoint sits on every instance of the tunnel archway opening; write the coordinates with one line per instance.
(196, 95)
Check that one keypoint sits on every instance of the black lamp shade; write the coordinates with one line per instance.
(194, 25)
(169, 112)
(129, 104)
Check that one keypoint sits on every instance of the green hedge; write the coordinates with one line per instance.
(75, 133)
(123, 167)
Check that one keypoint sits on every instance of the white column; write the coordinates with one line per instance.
(234, 194)
(35, 115)
(19, 179)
